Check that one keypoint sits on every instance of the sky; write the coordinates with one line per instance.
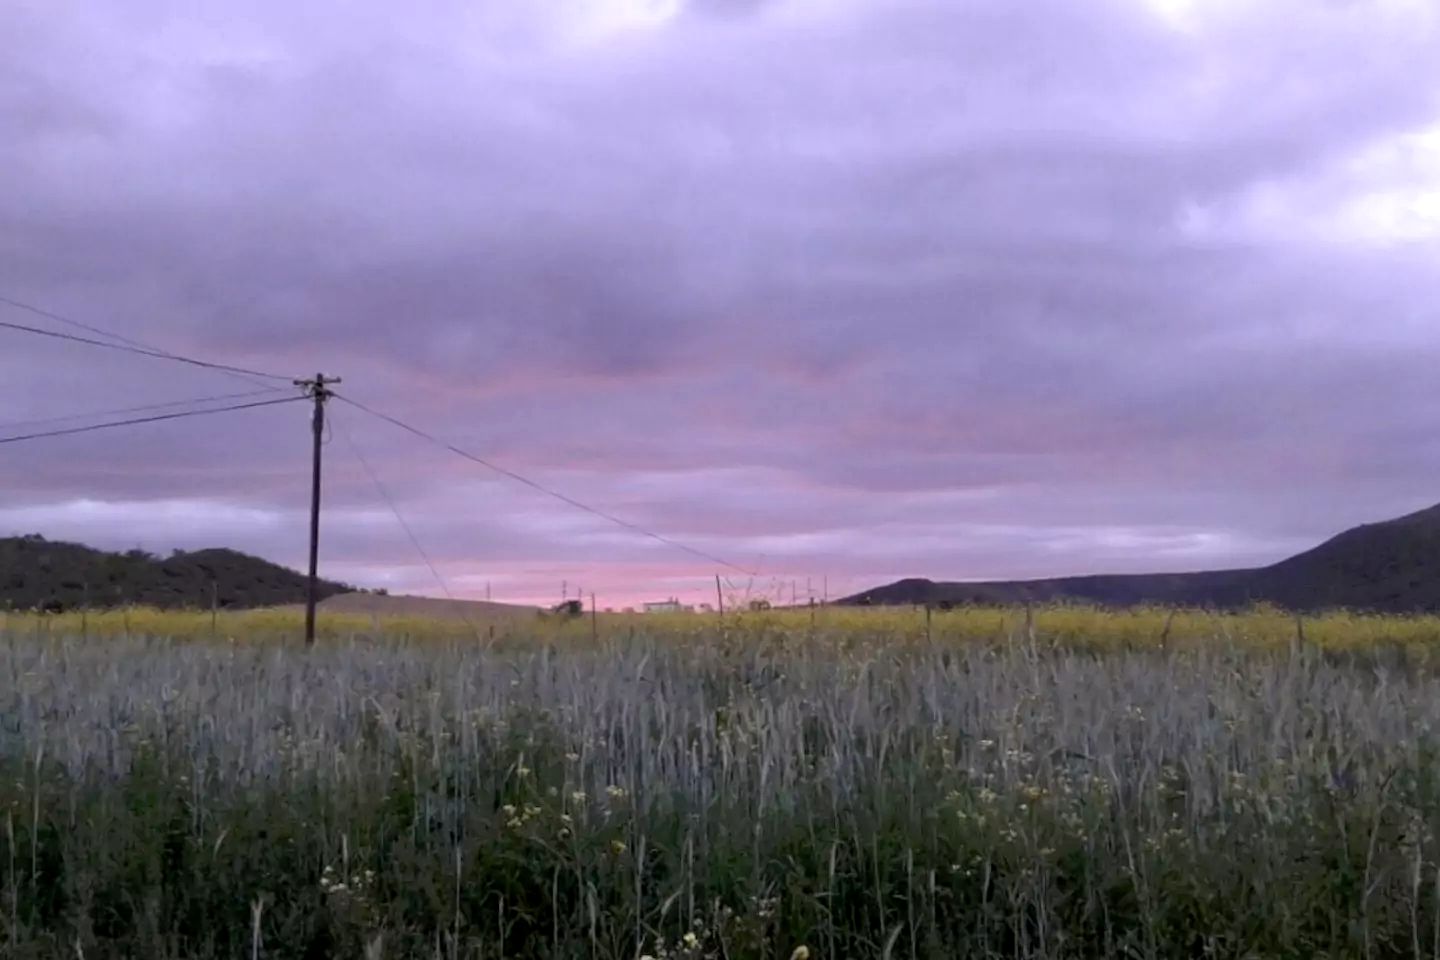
(836, 291)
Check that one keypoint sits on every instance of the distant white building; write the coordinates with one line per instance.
(664, 606)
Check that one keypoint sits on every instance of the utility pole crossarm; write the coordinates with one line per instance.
(318, 390)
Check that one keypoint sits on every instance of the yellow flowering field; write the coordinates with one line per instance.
(1070, 626)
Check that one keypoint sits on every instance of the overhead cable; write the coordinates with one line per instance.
(12, 424)
(394, 508)
(155, 419)
(91, 328)
(143, 351)
(61, 318)
(544, 489)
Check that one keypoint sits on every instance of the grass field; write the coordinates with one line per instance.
(1074, 627)
(1071, 784)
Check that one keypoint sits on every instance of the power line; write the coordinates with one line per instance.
(143, 351)
(395, 509)
(400, 518)
(11, 424)
(68, 321)
(545, 490)
(155, 419)
(61, 318)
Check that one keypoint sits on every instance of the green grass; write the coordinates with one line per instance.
(167, 800)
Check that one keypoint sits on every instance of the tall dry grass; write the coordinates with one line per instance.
(722, 792)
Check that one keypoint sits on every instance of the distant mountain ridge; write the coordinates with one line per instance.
(1388, 567)
(55, 575)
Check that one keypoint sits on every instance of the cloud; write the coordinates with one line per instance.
(955, 289)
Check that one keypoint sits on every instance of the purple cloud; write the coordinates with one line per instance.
(833, 287)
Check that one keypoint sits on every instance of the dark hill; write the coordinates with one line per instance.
(1388, 567)
(40, 573)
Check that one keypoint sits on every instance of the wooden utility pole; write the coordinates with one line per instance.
(318, 390)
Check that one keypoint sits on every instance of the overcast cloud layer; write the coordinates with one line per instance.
(830, 288)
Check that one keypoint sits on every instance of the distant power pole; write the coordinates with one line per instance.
(318, 390)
